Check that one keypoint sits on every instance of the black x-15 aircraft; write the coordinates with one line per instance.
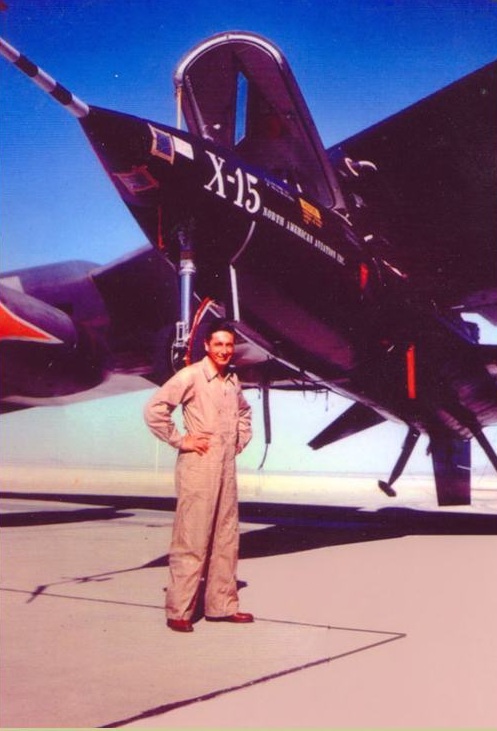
(344, 269)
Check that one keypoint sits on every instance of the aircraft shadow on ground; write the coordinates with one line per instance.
(287, 528)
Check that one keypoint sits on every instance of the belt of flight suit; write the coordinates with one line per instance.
(205, 530)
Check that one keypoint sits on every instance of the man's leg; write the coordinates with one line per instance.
(221, 595)
(192, 529)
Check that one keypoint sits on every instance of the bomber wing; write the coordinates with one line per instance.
(436, 187)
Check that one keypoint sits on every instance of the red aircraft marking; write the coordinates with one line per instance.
(411, 371)
(13, 327)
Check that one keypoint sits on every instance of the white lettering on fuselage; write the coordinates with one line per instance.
(296, 230)
(300, 232)
(273, 216)
(241, 187)
(242, 184)
(329, 251)
(218, 178)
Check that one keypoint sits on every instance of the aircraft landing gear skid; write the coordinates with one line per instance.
(409, 444)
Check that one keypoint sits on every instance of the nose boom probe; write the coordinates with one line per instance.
(49, 85)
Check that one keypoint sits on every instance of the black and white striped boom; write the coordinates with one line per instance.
(74, 105)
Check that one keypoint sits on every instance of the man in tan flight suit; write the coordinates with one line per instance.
(217, 419)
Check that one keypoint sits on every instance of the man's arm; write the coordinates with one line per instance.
(158, 415)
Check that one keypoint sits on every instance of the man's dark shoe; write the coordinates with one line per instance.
(180, 625)
(238, 618)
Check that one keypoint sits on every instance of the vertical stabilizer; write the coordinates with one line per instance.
(237, 90)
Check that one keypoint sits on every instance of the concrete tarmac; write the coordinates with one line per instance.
(369, 614)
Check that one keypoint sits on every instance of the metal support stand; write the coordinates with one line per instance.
(186, 272)
(267, 421)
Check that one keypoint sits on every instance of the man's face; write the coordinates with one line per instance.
(220, 349)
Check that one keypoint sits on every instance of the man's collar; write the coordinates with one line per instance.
(210, 370)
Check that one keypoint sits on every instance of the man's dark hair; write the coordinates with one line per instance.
(217, 326)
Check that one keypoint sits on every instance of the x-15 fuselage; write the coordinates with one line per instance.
(302, 280)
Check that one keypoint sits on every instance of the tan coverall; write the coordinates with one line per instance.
(205, 531)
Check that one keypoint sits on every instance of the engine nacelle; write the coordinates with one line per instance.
(43, 352)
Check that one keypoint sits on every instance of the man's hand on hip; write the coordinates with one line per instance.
(198, 443)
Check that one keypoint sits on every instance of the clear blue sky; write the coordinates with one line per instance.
(357, 61)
